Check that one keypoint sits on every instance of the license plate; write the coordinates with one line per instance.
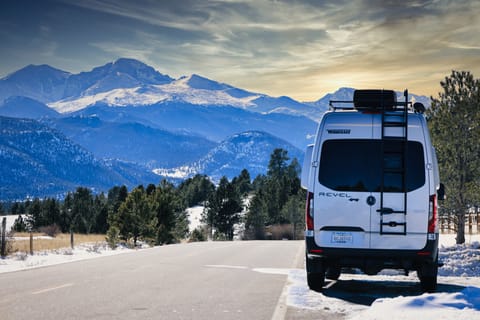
(342, 237)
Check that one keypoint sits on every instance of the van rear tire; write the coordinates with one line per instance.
(429, 284)
(316, 281)
(315, 274)
(428, 276)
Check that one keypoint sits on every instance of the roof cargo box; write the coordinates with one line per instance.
(374, 99)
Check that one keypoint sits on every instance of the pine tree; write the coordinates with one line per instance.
(168, 209)
(294, 212)
(196, 190)
(243, 183)
(223, 209)
(19, 225)
(136, 219)
(83, 214)
(256, 217)
(454, 121)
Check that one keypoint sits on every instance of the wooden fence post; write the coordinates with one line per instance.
(4, 240)
(31, 243)
(71, 239)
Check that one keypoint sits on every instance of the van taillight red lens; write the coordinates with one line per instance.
(309, 211)
(432, 214)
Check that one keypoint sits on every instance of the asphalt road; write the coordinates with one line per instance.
(214, 280)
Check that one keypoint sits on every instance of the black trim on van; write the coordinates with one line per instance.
(372, 261)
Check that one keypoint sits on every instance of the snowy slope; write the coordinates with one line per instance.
(248, 150)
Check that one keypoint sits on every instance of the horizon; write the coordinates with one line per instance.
(303, 50)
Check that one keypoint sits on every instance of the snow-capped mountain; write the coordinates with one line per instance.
(214, 123)
(130, 117)
(129, 82)
(248, 150)
(132, 141)
(42, 83)
(39, 161)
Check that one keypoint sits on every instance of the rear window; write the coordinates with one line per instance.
(356, 165)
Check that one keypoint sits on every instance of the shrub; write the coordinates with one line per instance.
(198, 235)
(113, 237)
(51, 230)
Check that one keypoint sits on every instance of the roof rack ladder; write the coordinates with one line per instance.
(394, 155)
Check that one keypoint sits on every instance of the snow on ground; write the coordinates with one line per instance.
(23, 261)
(393, 296)
(194, 217)
(10, 220)
(355, 296)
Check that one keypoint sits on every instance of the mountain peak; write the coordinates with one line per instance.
(198, 82)
(37, 71)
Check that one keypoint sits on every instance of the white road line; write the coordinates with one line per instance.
(53, 288)
(225, 266)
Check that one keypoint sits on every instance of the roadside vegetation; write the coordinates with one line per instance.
(270, 206)
(454, 123)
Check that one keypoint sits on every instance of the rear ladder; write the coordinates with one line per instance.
(394, 155)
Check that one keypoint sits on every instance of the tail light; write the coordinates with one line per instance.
(432, 214)
(309, 211)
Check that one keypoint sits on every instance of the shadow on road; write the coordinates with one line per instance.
(365, 292)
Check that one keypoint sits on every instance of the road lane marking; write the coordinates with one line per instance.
(66, 285)
(222, 266)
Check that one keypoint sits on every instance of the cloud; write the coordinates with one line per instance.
(299, 48)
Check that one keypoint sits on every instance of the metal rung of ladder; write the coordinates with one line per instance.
(397, 118)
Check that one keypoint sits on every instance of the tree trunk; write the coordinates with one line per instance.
(461, 228)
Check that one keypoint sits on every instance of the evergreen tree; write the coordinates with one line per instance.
(243, 183)
(223, 209)
(196, 190)
(19, 224)
(454, 122)
(51, 212)
(272, 193)
(101, 214)
(167, 205)
(256, 218)
(136, 219)
(83, 214)
(116, 196)
(66, 213)
(34, 218)
(294, 212)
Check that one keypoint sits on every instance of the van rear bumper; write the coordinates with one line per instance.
(372, 261)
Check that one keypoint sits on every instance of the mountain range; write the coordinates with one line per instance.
(136, 125)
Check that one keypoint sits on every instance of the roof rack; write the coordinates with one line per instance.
(376, 100)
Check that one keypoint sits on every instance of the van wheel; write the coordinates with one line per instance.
(315, 274)
(428, 276)
(316, 281)
(429, 284)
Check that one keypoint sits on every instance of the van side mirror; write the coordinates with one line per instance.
(441, 192)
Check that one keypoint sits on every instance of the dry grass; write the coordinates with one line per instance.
(62, 240)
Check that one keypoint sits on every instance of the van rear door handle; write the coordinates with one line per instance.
(385, 210)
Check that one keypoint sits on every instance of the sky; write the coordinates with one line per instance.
(300, 49)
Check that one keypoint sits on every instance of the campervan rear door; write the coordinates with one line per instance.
(412, 235)
(341, 209)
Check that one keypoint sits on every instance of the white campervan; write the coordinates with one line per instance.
(373, 185)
